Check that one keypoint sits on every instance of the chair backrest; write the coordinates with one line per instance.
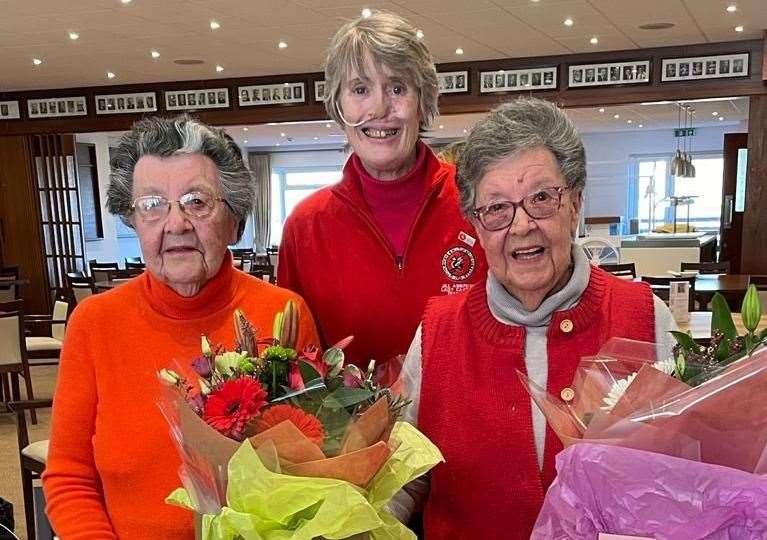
(123, 275)
(99, 269)
(134, 265)
(262, 270)
(722, 267)
(60, 309)
(625, 271)
(662, 285)
(13, 348)
(9, 291)
(81, 287)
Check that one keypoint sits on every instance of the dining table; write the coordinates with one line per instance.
(699, 325)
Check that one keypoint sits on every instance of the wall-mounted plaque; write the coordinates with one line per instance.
(271, 94)
(609, 73)
(319, 91)
(453, 82)
(516, 80)
(705, 67)
(57, 107)
(9, 110)
(204, 98)
(126, 103)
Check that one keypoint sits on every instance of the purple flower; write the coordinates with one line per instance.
(201, 366)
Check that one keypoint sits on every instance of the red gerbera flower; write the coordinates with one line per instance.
(307, 423)
(233, 405)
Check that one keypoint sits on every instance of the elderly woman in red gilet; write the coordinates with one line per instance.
(367, 252)
(521, 176)
(184, 188)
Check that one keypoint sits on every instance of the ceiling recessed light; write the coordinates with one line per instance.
(219, 68)
(126, 1)
(244, 129)
(568, 22)
(37, 61)
(714, 113)
(366, 12)
(215, 25)
(465, 130)
(535, 1)
(316, 138)
(110, 75)
(74, 35)
(641, 125)
(277, 144)
(459, 51)
(245, 141)
(419, 33)
(282, 45)
(721, 118)
(328, 126)
(441, 126)
(594, 40)
(629, 121)
(282, 134)
(616, 116)
(739, 28)
(732, 8)
(601, 109)
(155, 54)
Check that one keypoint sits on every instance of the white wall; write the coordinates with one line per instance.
(110, 248)
(608, 157)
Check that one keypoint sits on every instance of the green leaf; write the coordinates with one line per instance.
(308, 372)
(685, 341)
(345, 397)
(721, 317)
(681, 366)
(723, 350)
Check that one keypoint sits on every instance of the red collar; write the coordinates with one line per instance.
(214, 295)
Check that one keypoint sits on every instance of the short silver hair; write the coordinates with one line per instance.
(515, 127)
(391, 41)
(164, 137)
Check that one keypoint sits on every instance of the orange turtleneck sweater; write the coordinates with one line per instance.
(111, 461)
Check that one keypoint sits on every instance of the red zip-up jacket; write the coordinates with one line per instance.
(336, 257)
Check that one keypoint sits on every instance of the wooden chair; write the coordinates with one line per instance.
(134, 263)
(32, 457)
(9, 291)
(13, 354)
(99, 269)
(707, 267)
(80, 287)
(47, 347)
(661, 287)
(262, 271)
(625, 271)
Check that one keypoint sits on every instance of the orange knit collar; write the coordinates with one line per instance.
(214, 295)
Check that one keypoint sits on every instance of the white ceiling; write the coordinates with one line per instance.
(118, 37)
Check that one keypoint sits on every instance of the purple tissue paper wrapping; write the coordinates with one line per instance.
(609, 489)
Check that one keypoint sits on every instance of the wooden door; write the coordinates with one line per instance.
(733, 198)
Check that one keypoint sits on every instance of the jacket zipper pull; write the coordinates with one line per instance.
(399, 262)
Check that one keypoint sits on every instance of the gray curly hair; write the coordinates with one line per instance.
(513, 128)
(163, 137)
(390, 41)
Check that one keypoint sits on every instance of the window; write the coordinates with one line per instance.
(292, 185)
(89, 191)
(652, 185)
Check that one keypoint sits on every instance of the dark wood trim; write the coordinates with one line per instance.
(764, 55)
(469, 102)
(754, 251)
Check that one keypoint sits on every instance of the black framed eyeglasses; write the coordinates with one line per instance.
(196, 204)
(542, 204)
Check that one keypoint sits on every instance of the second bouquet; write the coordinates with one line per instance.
(279, 443)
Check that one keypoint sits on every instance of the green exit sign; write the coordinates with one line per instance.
(684, 132)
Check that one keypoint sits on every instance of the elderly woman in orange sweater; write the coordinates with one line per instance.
(184, 188)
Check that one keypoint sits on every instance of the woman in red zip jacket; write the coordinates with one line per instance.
(366, 253)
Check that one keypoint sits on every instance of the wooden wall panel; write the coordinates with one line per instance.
(22, 242)
(754, 257)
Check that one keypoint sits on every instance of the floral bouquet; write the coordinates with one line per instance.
(647, 421)
(279, 444)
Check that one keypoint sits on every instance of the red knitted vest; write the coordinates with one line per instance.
(474, 408)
